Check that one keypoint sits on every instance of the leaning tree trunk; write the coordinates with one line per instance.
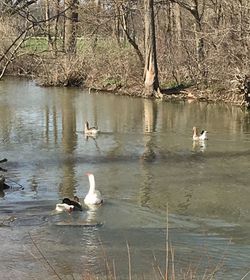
(71, 18)
(151, 82)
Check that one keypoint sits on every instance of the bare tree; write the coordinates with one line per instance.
(71, 19)
(197, 8)
(126, 12)
(151, 82)
(52, 15)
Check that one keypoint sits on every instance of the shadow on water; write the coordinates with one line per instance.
(151, 154)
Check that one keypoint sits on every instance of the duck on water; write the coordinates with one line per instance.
(201, 136)
(69, 205)
(93, 197)
(90, 131)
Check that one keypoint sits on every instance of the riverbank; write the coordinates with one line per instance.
(78, 72)
(109, 67)
(189, 94)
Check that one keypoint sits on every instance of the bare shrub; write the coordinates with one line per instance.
(7, 32)
(103, 65)
(112, 67)
(61, 71)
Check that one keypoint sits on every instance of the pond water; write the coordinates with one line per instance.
(147, 168)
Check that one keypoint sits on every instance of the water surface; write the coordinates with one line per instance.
(144, 161)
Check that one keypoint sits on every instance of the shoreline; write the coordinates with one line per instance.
(238, 96)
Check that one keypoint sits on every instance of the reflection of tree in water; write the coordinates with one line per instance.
(246, 122)
(69, 140)
(145, 187)
(69, 136)
(150, 118)
(54, 125)
(148, 154)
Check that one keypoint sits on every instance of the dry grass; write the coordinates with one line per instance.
(171, 271)
(61, 71)
(103, 66)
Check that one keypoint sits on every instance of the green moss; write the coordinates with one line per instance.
(36, 44)
(111, 81)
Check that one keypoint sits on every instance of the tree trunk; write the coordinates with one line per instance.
(197, 10)
(175, 40)
(200, 51)
(129, 37)
(71, 18)
(48, 24)
(151, 82)
(57, 10)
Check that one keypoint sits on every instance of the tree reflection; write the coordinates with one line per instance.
(150, 119)
(69, 141)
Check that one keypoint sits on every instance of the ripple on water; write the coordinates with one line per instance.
(73, 247)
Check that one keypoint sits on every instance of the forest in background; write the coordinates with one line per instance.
(128, 45)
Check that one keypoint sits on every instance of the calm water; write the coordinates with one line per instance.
(144, 161)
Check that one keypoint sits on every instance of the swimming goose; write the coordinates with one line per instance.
(61, 207)
(69, 205)
(90, 130)
(202, 136)
(76, 203)
(94, 196)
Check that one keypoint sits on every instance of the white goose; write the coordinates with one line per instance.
(91, 131)
(93, 197)
(202, 136)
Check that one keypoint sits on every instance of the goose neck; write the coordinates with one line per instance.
(91, 183)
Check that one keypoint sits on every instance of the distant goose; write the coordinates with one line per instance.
(90, 130)
(94, 196)
(202, 136)
(69, 205)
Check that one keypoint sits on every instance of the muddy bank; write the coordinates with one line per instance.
(82, 72)
(190, 94)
